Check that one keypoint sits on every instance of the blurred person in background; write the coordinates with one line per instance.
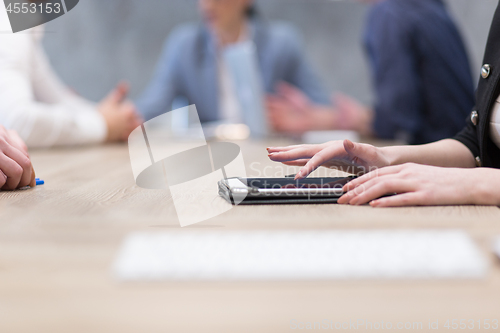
(421, 77)
(16, 170)
(45, 113)
(192, 66)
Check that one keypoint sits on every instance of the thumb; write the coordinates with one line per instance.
(123, 89)
(349, 146)
(365, 156)
(119, 94)
(356, 151)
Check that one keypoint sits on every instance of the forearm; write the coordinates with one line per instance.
(42, 125)
(484, 186)
(444, 153)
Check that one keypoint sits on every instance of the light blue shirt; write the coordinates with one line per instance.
(188, 68)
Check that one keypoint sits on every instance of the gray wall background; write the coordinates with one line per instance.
(103, 41)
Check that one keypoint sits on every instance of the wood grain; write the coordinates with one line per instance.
(57, 243)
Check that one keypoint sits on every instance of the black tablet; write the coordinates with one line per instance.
(282, 190)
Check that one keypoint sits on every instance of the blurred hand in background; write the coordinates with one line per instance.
(352, 115)
(119, 113)
(291, 111)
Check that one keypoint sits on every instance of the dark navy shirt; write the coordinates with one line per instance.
(421, 72)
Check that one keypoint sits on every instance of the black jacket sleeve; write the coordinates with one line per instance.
(469, 137)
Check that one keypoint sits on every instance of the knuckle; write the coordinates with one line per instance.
(358, 190)
(17, 171)
(24, 163)
(383, 184)
(405, 200)
(423, 194)
(427, 194)
(405, 173)
(388, 184)
(322, 155)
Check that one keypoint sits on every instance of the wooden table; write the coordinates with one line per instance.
(58, 241)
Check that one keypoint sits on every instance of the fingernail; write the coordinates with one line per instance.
(342, 200)
(349, 144)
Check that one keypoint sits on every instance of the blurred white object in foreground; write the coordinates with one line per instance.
(496, 247)
(299, 255)
(315, 137)
(226, 132)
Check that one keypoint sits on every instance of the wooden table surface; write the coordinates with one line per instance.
(58, 241)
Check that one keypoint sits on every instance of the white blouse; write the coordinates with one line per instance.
(495, 123)
(34, 102)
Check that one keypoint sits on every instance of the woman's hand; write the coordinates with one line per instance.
(356, 158)
(15, 166)
(421, 185)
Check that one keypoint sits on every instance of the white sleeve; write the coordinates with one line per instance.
(36, 104)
